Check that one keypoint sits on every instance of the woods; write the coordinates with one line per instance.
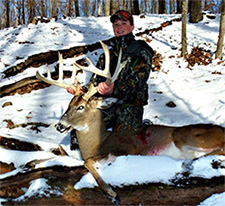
(19, 12)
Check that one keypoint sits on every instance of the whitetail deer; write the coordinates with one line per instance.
(96, 143)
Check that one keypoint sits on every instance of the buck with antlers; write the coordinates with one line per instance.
(96, 142)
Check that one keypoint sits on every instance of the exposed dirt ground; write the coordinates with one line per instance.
(151, 194)
(137, 195)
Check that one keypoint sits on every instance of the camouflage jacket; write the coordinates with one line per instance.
(131, 85)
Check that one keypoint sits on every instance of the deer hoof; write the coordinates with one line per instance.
(115, 200)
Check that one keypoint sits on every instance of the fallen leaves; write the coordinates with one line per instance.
(157, 61)
(198, 56)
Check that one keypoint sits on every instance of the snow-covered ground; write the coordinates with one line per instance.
(199, 95)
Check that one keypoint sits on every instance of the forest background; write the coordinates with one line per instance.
(19, 12)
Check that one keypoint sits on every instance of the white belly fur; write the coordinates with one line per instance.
(186, 152)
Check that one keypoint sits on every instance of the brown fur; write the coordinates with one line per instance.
(97, 143)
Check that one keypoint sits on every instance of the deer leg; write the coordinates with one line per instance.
(89, 164)
(220, 151)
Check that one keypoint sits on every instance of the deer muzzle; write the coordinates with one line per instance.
(62, 128)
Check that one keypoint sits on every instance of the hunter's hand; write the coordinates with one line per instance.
(71, 90)
(105, 89)
(77, 87)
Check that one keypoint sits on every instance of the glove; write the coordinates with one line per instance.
(105, 89)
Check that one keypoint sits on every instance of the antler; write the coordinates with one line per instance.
(92, 90)
(104, 73)
(59, 82)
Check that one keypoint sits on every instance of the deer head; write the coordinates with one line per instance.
(75, 116)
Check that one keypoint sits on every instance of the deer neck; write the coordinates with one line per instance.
(92, 135)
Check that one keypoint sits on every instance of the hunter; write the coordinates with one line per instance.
(131, 86)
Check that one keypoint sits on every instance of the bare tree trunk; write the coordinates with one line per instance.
(7, 14)
(107, 7)
(42, 8)
(18, 7)
(143, 7)
(219, 8)
(162, 6)
(130, 8)
(195, 11)
(31, 10)
(87, 3)
(23, 12)
(50, 9)
(136, 7)
(6, 11)
(93, 8)
(112, 10)
(117, 7)
(85, 7)
(221, 32)
(154, 8)
(99, 8)
(76, 3)
(70, 8)
(57, 9)
(184, 22)
(171, 6)
(147, 5)
(15, 11)
(179, 6)
(123, 4)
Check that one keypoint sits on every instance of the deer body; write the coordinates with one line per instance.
(186, 142)
(96, 143)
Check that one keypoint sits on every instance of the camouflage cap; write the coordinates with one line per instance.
(122, 14)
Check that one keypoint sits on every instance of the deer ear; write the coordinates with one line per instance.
(105, 103)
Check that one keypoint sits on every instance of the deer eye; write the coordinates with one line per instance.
(80, 108)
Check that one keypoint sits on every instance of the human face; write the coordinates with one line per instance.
(122, 27)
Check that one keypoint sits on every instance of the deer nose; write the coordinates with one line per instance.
(60, 127)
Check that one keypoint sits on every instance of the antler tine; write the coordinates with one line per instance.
(58, 82)
(60, 67)
(91, 68)
(107, 58)
(74, 73)
(48, 72)
(119, 67)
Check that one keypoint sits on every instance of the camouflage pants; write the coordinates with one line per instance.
(123, 116)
